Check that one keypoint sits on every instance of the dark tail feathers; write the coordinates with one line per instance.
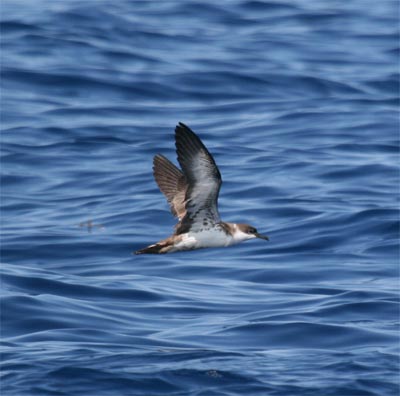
(152, 249)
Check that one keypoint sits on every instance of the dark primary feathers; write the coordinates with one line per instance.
(193, 193)
(203, 178)
(196, 161)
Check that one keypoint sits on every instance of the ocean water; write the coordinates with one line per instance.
(298, 102)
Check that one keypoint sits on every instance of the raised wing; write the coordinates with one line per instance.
(172, 184)
(203, 179)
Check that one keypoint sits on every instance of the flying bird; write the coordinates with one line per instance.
(192, 194)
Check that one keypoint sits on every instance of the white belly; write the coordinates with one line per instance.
(209, 238)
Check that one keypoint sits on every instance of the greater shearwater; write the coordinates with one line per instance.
(192, 194)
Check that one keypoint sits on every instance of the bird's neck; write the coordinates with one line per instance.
(235, 232)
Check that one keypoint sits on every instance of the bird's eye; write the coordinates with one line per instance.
(253, 230)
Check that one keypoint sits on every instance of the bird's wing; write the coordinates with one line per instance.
(172, 184)
(203, 179)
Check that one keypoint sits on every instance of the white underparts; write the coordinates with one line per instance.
(213, 237)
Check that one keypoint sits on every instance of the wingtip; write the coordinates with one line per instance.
(181, 127)
(156, 160)
(158, 157)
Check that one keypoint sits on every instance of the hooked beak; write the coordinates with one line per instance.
(261, 236)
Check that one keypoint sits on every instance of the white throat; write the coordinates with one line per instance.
(240, 236)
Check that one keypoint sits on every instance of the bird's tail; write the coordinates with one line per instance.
(152, 249)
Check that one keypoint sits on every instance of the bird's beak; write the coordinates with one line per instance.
(261, 236)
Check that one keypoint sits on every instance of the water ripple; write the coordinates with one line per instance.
(297, 101)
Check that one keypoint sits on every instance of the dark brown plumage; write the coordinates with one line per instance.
(172, 184)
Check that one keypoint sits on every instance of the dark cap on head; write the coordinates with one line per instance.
(248, 229)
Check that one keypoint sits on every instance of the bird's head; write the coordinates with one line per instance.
(246, 231)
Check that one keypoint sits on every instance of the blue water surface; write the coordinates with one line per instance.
(297, 100)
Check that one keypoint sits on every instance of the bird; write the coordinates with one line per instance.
(192, 193)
